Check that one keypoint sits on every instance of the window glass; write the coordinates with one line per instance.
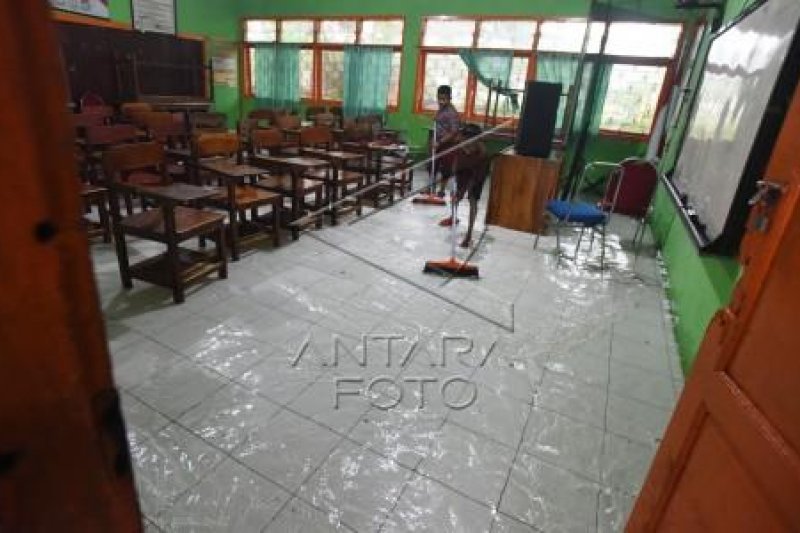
(444, 69)
(332, 74)
(337, 31)
(297, 31)
(642, 39)
(516, 34)
(389, 32)
(306, 73)
(632, 97)
(568, 35)
(260, 31)
(394, 80)
(519, 75)
(451, 33)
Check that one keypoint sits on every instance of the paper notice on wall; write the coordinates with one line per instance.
(95, 8)
(224, 62)
(154, 15)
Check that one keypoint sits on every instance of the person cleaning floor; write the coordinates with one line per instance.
(470, 166)
(447, 123)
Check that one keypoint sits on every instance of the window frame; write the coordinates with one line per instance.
(469, 112)
(317, 49)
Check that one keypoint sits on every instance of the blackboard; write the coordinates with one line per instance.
(749, 78)
(124, 65)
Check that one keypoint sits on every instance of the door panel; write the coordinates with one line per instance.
(729, 460)
(714, 468)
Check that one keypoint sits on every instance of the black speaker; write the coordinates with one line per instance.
(537, 123)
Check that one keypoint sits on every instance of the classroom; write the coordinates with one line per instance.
(330, 265)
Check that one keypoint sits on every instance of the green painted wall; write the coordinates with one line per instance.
(699, 285)
(413, 10)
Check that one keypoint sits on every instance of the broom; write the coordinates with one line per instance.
(430, 198)
(452, 266)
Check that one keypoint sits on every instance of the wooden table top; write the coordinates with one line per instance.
(336, 155)
(178, 152)
(295, 161)
(231, 168)
(178, 192)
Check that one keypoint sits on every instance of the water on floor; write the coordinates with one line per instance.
(330, 385)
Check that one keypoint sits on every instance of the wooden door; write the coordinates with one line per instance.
(730, 459)
(64, 463)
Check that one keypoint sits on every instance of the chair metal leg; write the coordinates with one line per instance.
(578, 246)
(603, 249)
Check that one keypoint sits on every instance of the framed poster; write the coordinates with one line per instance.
(154, 15)
(224, 61)
(94, 8)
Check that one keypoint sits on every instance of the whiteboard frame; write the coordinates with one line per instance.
(756, 162)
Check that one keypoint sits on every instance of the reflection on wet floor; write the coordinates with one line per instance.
(545, 385)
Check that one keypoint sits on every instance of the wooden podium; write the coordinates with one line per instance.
(521, 187)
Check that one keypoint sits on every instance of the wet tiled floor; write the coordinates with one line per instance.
(231, 398)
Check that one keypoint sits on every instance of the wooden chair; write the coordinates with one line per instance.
(132, 111)
(94, 195)
(289, 125)
(169, 130)
(170, 221)
(325, 119)
(208, 123)
(322, 137)
(237, 197)
(262, 114)
(100, 137)
(313, 111)
(272, 142)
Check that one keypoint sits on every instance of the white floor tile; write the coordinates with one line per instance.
(636, 420)
(426, 505)
(178, 388)
(625, 463)
(469, 463)
(573, 398)
(288, 449)
(231, 498)
(639, 384)
(548, 497)
(300, 517)
(501, 418)
(356, 486)
(228, 417)
(167, 465)
(563, 442)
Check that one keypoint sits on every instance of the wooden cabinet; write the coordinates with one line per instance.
(521, 186)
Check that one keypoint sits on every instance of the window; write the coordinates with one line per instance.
(444, 69)
(388, 32)
(642, 40)
(441, 65)
(332, 74)
(261, 31)
(517, 35)
(631, 99)
(297, 31)
(641, 54)
(337, 31)
(568, 35)
(519, 75)
(449, 33)
(322, 51)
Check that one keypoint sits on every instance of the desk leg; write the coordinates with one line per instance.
(296, 202)
(233, 224)
(333, 194)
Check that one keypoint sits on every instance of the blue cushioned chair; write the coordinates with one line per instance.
(588, 216)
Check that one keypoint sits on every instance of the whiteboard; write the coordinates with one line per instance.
(154, 15)
(743, 66)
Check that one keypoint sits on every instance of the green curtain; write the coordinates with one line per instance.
(276, 82)
(367, 74)
(558, 68)
(601, 90)
(491, 68)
